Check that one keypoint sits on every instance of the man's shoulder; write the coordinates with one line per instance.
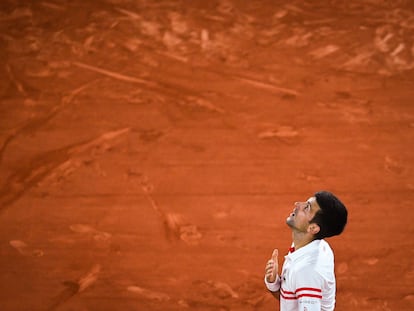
(320, 259)
(324, 247)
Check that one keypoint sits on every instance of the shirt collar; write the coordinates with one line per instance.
(303, 250)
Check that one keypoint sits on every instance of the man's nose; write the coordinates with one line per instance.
(298, 205)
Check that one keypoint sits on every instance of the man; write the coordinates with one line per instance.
(307, 282)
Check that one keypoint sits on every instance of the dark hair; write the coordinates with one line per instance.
(332, 216)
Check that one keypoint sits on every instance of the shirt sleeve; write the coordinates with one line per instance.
(273, 287)
(309, 291)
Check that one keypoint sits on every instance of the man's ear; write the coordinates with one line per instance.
(314, 228)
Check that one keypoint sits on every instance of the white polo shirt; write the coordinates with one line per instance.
(307, 282)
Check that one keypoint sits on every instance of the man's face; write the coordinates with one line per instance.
(302, 214)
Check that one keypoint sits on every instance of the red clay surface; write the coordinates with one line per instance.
(151, 150)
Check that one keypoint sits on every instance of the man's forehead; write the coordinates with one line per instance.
(314, 203)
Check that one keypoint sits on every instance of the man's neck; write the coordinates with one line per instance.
(301, 239)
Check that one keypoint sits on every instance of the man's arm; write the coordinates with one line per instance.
(274, 287)
(272, 279)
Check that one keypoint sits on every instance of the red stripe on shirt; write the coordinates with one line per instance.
(292, 295)
(311, 289)
(286, 292)
(288, 298)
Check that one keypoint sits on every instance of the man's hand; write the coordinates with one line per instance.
(272, 267)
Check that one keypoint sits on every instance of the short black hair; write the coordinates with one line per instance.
(332, 217)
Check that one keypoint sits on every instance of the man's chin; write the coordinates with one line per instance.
(290, 221)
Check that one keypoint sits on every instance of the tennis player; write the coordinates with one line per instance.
(307, 281)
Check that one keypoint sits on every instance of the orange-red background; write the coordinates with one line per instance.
(151, 150)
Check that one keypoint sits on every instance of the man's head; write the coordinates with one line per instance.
(321, 216)
(332, 215)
